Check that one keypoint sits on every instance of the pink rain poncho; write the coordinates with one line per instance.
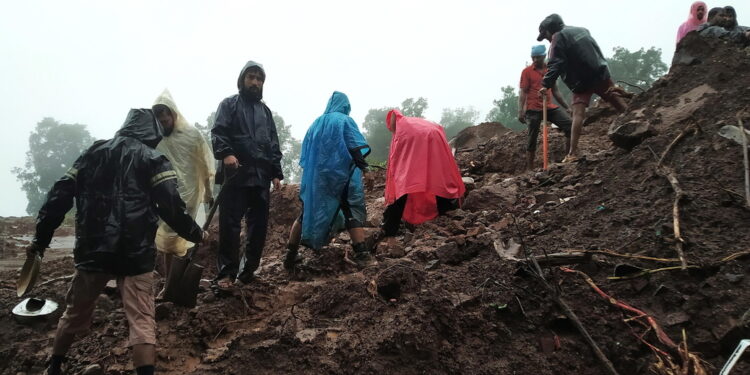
(420, 164)
(693, 21)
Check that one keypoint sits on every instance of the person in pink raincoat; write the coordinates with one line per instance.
(697, 17)
(422, 178)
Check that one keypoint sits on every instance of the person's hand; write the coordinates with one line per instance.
(34, 250)
(542, 92)
(276, 184)
(569, 109)
(522, 117)
(231, 162)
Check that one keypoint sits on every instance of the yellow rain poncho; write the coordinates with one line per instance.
(193, 161)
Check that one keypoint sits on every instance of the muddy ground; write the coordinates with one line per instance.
(457, 295)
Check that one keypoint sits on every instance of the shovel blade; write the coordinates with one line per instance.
(172, 287)
(189, 285)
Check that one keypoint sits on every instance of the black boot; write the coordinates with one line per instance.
(362, 255)
(54, 365)
(292, 256)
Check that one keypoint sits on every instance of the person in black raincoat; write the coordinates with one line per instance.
(121, 187)
(576, 58)
(245, 140)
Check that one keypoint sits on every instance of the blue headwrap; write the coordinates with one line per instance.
(539, 50)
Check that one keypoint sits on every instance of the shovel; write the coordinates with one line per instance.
(185, 275)
(545, 134)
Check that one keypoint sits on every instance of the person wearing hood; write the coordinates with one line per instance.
(696, 18)
(121, 187)
(332, 161)
(530, 104)
(576, 58)
(737, 33)
(191, 157)
(246, 143)
(422, 179)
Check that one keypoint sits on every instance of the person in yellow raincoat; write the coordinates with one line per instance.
(191, 156)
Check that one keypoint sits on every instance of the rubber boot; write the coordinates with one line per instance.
(292, 256)
(362, 255)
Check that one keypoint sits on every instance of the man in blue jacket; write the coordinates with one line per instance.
(576, 58)
(245, 141)
(332, 161)
(121, 187)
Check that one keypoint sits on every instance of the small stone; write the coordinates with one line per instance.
(93, 370)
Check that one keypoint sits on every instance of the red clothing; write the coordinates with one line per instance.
(420, 164)
(531, 82)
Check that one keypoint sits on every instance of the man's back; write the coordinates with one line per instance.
(576, 57)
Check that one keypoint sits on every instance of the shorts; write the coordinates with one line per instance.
(600, 89)
(555, 116)
(137, 293)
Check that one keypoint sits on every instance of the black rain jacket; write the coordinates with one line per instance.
(246, 129)
(121, 187)
(575, 56)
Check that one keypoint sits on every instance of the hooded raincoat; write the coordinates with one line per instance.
(193, 162)
(332, 151)
(420, 164)
(245, 129)
(693, 21)
(121, 188)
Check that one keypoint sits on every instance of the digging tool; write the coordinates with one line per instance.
(735, 357)
(29, 274)
(545, 134)
(185, 275)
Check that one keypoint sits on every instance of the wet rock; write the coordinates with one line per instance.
(492, 197)
(93, 370)
(630, 134)
(469, 183)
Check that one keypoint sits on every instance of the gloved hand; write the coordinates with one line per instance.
(34, 249)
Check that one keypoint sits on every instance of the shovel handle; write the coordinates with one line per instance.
(545, 135)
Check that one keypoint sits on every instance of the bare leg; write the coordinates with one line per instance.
(144, 355)
(296, 233)
(579, 111)
(292, 245)
(357, 235)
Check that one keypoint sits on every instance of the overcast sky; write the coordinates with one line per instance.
(88, 62)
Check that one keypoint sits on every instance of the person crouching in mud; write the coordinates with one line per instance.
(422, 178)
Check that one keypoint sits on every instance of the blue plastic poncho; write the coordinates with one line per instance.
(328, 171)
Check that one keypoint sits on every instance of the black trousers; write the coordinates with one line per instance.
(393, 213)
(556, 116)
(252, 204)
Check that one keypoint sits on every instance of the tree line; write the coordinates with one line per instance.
(54, 146)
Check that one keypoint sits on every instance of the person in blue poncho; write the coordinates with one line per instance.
(332, 161)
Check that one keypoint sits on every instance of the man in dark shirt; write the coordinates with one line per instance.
(576, 58)
(121, 187)
(530, 104)
(245, 140)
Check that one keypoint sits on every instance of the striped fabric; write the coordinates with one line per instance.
(163, 176)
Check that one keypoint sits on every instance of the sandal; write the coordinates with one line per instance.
(223, 283)
(570, 159)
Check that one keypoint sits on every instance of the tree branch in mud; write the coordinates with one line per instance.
(745, 159)
(555, 293)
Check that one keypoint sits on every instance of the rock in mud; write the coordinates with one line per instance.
(630, 134)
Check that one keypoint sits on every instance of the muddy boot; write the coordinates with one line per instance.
(54, 365)
(292, 256)
(362, 255)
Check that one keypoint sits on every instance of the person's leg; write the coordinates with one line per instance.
(533, 119)
(392, 216)
(231, 209)
(80, 303)
(579, 112)
(610, 96)
(292, 245)
(560, 117)
(137, 294)
(256, 219)
(444, 204)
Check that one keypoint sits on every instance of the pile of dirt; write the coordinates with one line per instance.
(457, 295)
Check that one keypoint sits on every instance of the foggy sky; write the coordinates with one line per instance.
(89, 62)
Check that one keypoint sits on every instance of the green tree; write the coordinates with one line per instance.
(414, 108)
(206, 129)
(290, 148)
(377, 134)
(505, 109)
(640, 68)
(53, 147)
(455, 120)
